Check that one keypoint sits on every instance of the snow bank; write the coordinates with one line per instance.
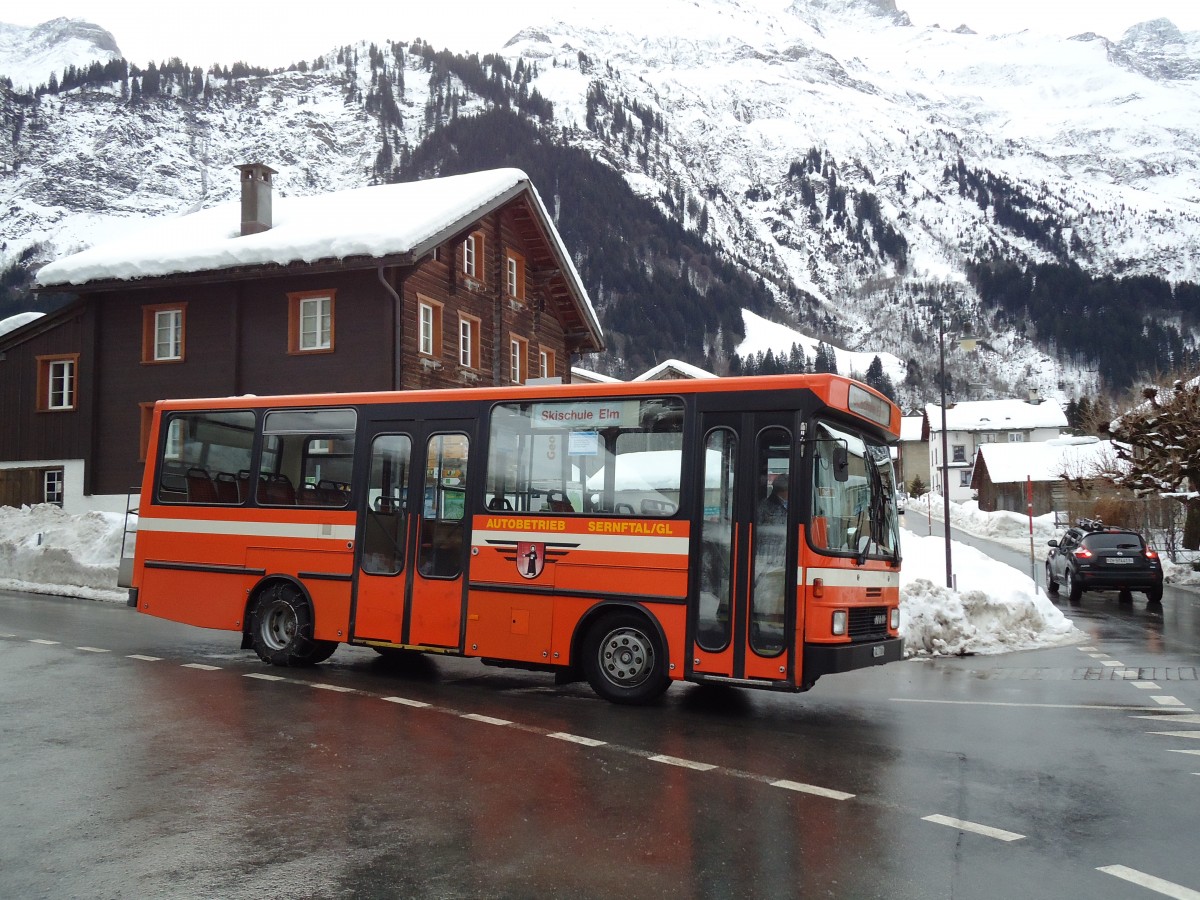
(995, 609)
(44, 550)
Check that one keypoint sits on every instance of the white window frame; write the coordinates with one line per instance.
(315, 326)
(469, 251)
(52, 486)
(543, 364)
(426, 328)
(1016, 437)
(60, 382)
(964, 477)
(511, 264)
(515, 367)
(464, 343)
(168, 334)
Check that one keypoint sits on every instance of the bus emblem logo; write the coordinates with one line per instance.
(531, 558)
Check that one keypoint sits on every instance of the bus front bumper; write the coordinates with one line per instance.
(828, 659)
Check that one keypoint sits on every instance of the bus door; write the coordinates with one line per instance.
(412, 535)
(742, 611)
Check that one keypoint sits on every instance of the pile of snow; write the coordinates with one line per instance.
(46, 551)
(995, 609)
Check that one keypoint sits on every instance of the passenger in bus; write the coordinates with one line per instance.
(771, 539)
(773, 510)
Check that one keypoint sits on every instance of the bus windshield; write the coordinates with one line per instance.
(853, 495)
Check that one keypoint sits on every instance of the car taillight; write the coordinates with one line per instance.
(1083, 553)
(1151, 554)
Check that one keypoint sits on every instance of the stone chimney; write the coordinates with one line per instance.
(1034, 396)
(256, 197)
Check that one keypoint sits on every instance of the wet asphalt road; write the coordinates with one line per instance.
(142, 758)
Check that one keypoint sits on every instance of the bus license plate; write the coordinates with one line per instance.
(877, 652)
(1120, 561)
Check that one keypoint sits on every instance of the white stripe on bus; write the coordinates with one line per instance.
(243, 528)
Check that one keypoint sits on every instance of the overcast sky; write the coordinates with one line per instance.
(277, 32)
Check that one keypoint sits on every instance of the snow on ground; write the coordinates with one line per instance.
(46, 551)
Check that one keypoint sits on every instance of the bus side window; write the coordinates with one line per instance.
(441, 550)
(384, 528)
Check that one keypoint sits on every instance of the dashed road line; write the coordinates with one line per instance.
(1167, 701)
(144, 658)
(1190, 752)
(1087, 649)
(341, 689)
(576, 739)
(42, 641)
(487, 720)
(404, 701)
(1146, 685)
(1153, 882)
(201, 666)
(811, 789)
(93, 649)
(1185, 719)
(263, 676)
(1028, 705)
(682, 763)
(1112, 663)
(974, 827)
(1195, 735)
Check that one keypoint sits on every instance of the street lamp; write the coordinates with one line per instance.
(967, 344)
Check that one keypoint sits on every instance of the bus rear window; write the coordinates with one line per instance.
(616, 456)
(206, 457)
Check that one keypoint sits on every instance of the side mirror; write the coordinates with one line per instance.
(1051, 543)
(841, 463)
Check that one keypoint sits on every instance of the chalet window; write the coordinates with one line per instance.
(310, 322)
(1016, 437)
(429, 324)
(519, 359)
(52, 486)
(163, 333)
(960, 453)
(473, 256)
(468, 342)
(964, 478)
(57, 382)
(546, 363)
(515, 275)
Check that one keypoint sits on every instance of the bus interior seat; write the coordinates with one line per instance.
(276, 490)
(200, 487)
(499, 503)
(228, 490)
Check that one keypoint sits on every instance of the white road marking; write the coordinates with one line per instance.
(576, 739)
(1172, 717)
(6, 634)
(1028, 705)
(404, 701)
(975, 828)
(1183, 734)
(1146, 685)
(1112, 663)
(1153, 882)
(1190, 752)
(41, 641)
(94, 649)
(683, 763)
(1098, 655)
(263, 676)
(201, 666)
(487, 720)
(1086, 649)
(811, 789)
(1127, 673)
(1167, 701)
(333, 687)
(144, 658)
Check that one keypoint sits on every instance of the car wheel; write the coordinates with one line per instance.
(1154, 595)
(1074, 588)
(623, 659)
(1125, 596)
(282, 626)
(1051, 584)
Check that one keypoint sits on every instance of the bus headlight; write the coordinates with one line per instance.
(839, 621)
(894, 619)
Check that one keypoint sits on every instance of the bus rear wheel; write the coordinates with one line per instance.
(624, 660)
(282, 626)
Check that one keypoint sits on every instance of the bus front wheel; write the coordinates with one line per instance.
(282, 628)
(624, 661)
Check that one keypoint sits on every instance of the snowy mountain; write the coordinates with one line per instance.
(860, 172)
(29, 56)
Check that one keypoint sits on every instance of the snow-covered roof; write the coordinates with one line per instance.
(911, 428)
(409, 218)
(1046, 460)
(579, 374)
(673, 368)
(996, 415)
(12, 323)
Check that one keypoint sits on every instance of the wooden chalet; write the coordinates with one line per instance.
(445, 283)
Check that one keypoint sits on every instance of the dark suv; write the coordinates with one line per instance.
(1094, 557)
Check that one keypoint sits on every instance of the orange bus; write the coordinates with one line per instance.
(734, 530)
